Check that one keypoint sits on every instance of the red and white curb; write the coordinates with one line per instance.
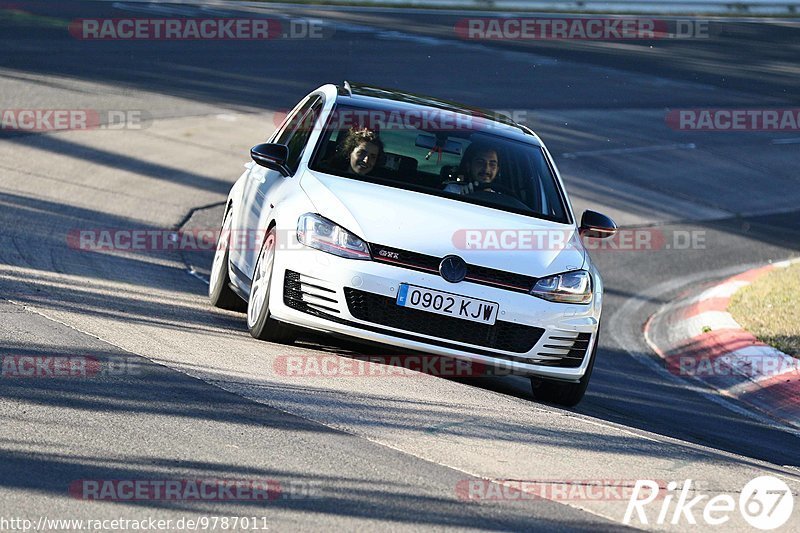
(699, 340)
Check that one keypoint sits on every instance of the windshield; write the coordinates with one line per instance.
(458, 159)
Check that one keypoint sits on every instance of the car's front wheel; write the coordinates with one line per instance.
(560, 393)
(220, 293)
(259, 321)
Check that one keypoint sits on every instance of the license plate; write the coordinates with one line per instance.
(448, 304)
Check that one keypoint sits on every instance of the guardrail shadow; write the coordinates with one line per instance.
(156, 417)
(619, 392)
(60, 145)
(40, 267)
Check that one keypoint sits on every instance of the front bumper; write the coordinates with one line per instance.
(355, 298)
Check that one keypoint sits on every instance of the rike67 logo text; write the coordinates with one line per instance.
(765, 503)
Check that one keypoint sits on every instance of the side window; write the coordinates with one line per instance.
(288, 124)
(298, 129)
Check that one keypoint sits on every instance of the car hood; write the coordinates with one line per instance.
(439, 226)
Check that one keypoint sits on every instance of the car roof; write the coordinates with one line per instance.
(381, 98)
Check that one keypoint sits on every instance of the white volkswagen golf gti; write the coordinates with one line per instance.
(417, 223)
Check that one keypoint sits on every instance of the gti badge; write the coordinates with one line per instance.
(388, 254)
(453, 269)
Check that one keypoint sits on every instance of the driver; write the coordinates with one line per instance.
(478, 168)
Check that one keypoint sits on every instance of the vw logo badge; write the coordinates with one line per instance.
(453, 269)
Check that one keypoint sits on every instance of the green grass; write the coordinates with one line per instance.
(769, 308)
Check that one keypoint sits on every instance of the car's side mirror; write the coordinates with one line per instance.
(596, 225)
(272, 156)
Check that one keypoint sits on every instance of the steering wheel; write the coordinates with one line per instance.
(498, 195)
(495, 187)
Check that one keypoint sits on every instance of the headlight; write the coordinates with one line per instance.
(322, 234)
(569, 287)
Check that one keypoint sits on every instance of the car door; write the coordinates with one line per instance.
(263, 185)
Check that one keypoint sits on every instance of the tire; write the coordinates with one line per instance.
(560, 393)
(259, 321)
(220, 293)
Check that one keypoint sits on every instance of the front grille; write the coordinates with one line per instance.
(383, 310)
(429, 263)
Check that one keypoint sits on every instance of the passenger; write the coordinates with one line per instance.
(360, 151)
(478, 168)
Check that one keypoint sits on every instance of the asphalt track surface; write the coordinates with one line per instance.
(201, 399)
